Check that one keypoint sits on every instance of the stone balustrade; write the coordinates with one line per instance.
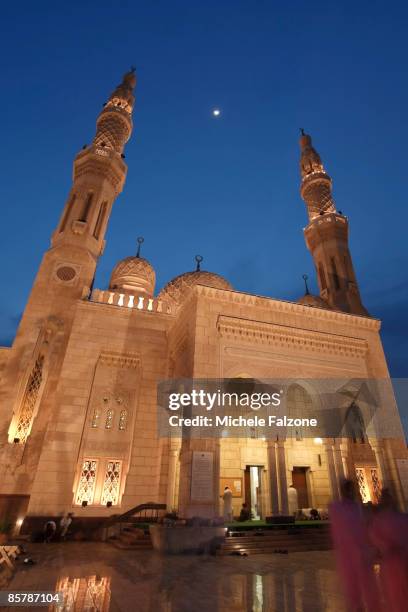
(126, 300)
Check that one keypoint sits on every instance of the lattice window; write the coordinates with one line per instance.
(123, 419)
(376, 484)
(363, 486)
(109, 419)
(25, 419)
(87, 481)
(111, 485)
(96, 417)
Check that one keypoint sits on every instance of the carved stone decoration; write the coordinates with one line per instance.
(66, 273)
(271, 333)
(121, 360)
(53, 325)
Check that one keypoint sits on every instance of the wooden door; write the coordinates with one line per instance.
(247, 485)
(300, 483)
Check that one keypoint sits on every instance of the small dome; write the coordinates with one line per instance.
(313, 300)
(178, 287)
(133, 275)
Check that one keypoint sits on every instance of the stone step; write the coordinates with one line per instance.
(272, 549)
(131, 539)
(234, 541)
(259, 539)
(125, 535)
(124, 546)
(269, 541)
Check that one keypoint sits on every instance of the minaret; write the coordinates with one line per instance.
(67, 269)
(99, 174)
(326, 235)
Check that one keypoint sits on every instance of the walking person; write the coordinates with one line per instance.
(353, 553)
(389, 535)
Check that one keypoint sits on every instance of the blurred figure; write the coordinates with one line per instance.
(50, 528)
(245, 514)
(352, 551)
(315, 515)
(389, 535)
(227, 498)
(293, 500)
(65, 522)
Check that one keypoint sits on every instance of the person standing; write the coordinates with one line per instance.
(50, 528)
(293, 500)
(227, 498)
(65, 522)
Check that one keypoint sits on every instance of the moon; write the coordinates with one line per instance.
(216, 112)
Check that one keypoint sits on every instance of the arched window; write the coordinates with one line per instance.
(96, 417)
(87, 207)
(109, 419)
(87, 482)
(67, 212)
(111, 484)
(123, 420)
(335, 274)
(100, 220)
(322, 277)
(26, 416)
(299, 405)
(355, 427)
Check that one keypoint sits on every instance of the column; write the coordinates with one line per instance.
(346, 459)
(332, 470)
(283, 483)
(171, 479)
(378, 449)
(338, 461)
(273, 477)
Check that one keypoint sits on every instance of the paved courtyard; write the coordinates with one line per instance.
(96, 577)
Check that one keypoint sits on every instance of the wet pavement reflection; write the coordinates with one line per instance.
(96, 577)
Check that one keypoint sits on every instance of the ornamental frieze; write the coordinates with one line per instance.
(275, 334)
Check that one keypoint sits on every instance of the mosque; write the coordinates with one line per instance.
(78, 386)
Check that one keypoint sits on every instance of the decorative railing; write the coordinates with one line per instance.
(150, 512)
(126, 300)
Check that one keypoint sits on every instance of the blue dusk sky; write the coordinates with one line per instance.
(226, 187)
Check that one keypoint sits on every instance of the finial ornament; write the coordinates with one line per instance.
(305, 277)
(302, 131)
(133, 68)
(199, 259)
(140, 241)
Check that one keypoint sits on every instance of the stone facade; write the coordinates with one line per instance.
(79, 385)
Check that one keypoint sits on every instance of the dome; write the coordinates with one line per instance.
(313, 300)
(133, 275)
(178, 287)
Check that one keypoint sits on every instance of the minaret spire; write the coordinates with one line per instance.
(99, 174)
(114, 124)
(327, 234)
(316, 189)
